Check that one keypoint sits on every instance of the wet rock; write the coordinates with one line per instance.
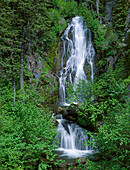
(95, 157)
(65, 113)
(53, 107)
(110, 62)
(70, 118)
(69, 113)
(73, 111)
(128, 22)
(98, 57)
(103, 68)
(79, 161)
(61, 110)
(115, 58)
(54, 121)
(63, 166)
(75, 104)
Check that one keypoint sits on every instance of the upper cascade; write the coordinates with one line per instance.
(77, 49)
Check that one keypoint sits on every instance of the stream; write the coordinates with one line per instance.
(72, 140)
(77, 51)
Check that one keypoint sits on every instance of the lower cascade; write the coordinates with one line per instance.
(73, 140)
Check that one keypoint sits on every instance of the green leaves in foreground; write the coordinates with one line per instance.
(26, 133)
(108, 116)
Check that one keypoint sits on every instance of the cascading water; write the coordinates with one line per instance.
(77, 49)
(72, 139)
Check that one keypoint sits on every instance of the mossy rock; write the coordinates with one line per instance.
(95, 157)
(54, 121)
(79, 161)
(86, 124)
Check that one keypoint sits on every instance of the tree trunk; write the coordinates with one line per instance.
(12, 58)
(21, 69)
(14, 87)
(21, 64)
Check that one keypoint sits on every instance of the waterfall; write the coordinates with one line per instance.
(72, 139)
(77, 50)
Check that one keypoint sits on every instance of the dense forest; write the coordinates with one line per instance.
(30, 32)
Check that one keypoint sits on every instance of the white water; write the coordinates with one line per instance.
(73, 140)
(77, 49)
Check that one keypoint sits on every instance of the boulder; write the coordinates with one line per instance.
(103, 68)
(54, 121)
(61, 111)
(63, 166)
(110, 62)
(69, 113)
(73, 110)
(95, 157)
(79, 161)
(70, 118)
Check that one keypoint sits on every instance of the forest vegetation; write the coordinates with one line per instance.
(30, 32)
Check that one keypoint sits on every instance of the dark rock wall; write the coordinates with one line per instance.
(109, 5)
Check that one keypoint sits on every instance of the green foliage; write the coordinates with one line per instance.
(109, 115)
(127, 81)
(66, 9)
(33, 28)
(113, 139)
(120, 14)
(78, 92)
(108, 87)
(27, 132)
(28, 29)
(58, 21)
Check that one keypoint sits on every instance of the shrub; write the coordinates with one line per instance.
(26, 132)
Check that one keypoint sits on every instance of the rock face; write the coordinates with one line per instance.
(128, 21)
(55, 122)
(108, 11)
(78, 164)
(35, 64)
(79, 161)
(110, 62)
(127, 27)
(128, 91)
(40, 74)
(70, 113)
(95, 157)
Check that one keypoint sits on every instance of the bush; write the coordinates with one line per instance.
(110, 107)
(113, 140)
(27, 133)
